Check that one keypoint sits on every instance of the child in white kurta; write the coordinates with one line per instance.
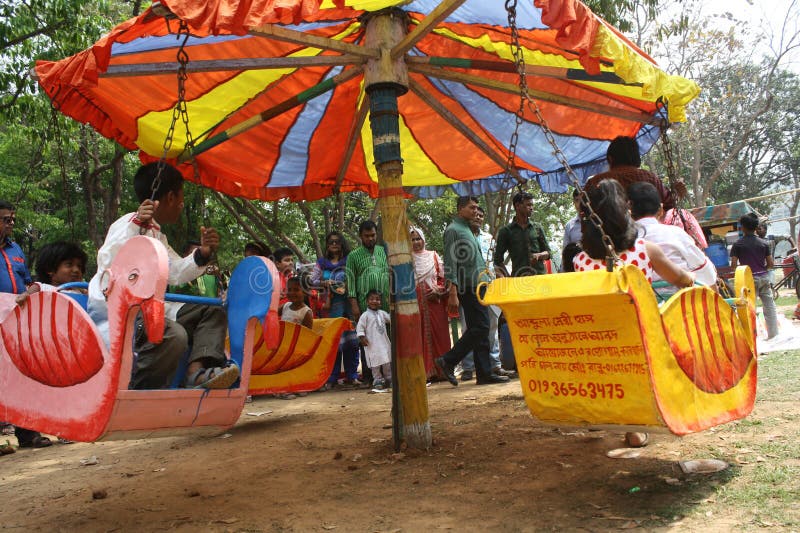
(371, 331)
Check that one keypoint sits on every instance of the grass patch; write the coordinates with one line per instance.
(768, 488)
(779, 375)
(786, 300)
(761, 488)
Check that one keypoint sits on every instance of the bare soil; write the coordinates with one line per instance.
(325, 462)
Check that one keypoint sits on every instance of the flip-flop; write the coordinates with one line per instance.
(6, 449)
(214, 378)
(37, 442)
(641, 444)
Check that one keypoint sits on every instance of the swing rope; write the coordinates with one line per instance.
(533, 106)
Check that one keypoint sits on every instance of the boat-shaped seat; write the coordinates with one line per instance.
(58, 376)
(594, 348)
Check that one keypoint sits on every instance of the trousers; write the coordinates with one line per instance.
(764, 291)
(475, 338)
(202, 326)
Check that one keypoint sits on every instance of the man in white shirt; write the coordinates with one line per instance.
(677, 245)
(201, 325)
(572, 234)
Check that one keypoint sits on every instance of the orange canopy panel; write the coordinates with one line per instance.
(277, 106)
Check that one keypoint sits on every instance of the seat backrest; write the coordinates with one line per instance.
(68, 289)
(82, 299)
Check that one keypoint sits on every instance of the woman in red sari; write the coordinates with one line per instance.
(432, 297)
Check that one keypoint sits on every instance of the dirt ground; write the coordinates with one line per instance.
(325, 462)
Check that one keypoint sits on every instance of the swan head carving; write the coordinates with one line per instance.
(138, 278)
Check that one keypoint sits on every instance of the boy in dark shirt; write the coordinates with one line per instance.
(755, 253)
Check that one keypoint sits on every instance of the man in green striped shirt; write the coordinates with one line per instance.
(367, 269)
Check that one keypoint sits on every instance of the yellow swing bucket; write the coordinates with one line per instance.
(594, 348)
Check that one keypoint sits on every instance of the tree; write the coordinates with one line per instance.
(624, 14)
(727, 146)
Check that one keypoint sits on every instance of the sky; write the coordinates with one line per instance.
(769, 15)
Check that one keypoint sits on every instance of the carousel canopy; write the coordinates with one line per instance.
(276, 103)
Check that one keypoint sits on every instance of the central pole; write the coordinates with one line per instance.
(385, 79)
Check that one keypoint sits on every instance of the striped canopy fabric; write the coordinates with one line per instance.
(277, 105)
(722, 214)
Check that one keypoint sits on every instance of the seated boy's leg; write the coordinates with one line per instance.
(207, 327)
(156, 364)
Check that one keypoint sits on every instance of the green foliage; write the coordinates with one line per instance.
(620, 12)
(43, 29)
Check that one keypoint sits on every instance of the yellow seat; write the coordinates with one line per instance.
(594, 348)
(302, 360)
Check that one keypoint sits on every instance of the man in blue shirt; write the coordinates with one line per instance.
(15, 278)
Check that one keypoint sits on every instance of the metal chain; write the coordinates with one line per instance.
(182, 109)
(179, 111)
(672, 176)
(519, 61)
(516, 50)
(669, 160)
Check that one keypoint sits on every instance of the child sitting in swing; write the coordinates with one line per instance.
(58, 263)
(203, 326)
(610, 203)
(296, 310)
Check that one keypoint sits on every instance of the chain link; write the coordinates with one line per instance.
(179, 111)
(672, 176)
(516, 51)
(519, 61)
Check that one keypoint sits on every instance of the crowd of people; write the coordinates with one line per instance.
(354, 284)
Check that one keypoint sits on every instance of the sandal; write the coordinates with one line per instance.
(213, 378)
(6, 449)
(285, 396)
(37, 442)
(636, 440)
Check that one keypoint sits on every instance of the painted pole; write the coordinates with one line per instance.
(385, 79)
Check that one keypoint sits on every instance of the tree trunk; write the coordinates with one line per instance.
(89, 188)
(312, 228)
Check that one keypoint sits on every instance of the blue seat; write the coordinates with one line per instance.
(81, 298)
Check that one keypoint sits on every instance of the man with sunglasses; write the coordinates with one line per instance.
(15, 276)
(16, 279)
